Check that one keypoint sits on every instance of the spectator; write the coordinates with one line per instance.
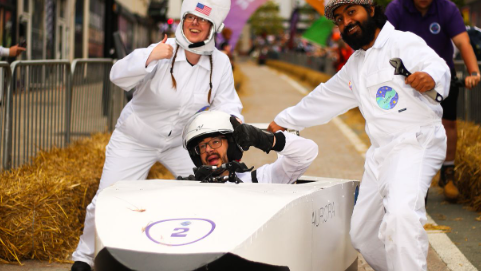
(439, 22)
(342, 51)
(13, 51)
(227, 49)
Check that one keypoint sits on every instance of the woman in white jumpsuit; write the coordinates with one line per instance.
(408, 142)
(173, 80)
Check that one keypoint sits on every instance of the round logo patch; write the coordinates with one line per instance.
(386, 97)
(179, 231)
(435, 28)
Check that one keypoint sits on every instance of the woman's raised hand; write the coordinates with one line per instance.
(161, 51)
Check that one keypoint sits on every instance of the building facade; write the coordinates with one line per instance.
(68, 29)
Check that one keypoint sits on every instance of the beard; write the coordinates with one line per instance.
(366, 35)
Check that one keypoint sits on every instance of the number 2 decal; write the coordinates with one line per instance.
(180, 232)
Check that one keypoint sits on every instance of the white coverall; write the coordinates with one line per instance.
(408, 144)
(4, 51)
(150, 126)
(293, 161)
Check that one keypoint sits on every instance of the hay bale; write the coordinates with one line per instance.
(239, 79)
(42, 205)
(468, 164)
(158, 171)
(312, 77)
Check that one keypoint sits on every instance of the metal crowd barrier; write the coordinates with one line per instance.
(322, 64)
(5, 76)
(48, 103)
(96, 102)
(469, 100)
(38, 108)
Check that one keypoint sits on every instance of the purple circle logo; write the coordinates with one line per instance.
(435, 28)
(179, 231)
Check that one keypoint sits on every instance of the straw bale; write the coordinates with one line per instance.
(42, 205)
(311, 77)
(240, 80)
(468, 164)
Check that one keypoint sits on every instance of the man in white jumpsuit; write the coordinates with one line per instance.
(173, 80)
(402, 122)
(214, 138)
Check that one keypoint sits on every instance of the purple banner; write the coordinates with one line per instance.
(240, 12)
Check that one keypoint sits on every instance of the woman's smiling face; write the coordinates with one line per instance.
(196, 29)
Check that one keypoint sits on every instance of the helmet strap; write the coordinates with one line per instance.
(197, 44)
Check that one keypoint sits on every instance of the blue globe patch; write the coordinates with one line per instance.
(386, 97)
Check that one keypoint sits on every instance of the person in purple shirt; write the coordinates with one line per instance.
(439, 22)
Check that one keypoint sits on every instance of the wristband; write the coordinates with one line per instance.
(280, 142)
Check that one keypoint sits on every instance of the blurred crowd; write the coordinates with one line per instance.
(271, 46)
(336, 51)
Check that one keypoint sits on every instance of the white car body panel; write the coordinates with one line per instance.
(183, 225)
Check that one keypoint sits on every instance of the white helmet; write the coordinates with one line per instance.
(207, 124)
(214, 11)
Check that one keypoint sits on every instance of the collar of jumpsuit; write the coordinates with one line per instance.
(381, 39)
(204, 61)
(383, 36)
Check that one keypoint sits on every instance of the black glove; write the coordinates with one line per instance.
(247, 135)
(188, 178)
(203, 173)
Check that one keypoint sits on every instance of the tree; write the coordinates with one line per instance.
(266, 20)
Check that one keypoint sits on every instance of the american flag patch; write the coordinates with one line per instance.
(203, 9)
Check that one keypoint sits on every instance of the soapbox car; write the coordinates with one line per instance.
(188, 225)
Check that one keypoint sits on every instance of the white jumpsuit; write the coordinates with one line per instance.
(408, 144)
(4, 51)
(293, 161)
(150, 126)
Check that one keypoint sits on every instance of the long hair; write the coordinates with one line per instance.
(174, 83)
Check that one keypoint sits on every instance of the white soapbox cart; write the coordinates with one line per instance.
(173, 225)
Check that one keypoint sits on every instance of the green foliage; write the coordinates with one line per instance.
(459, 3)
(383, 3)
(266, 20)
(308, 14)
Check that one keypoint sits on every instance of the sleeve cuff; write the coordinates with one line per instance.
(280, 142)
(4, 51)
(149, 68)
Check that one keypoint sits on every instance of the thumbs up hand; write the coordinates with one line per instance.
(161, 51)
